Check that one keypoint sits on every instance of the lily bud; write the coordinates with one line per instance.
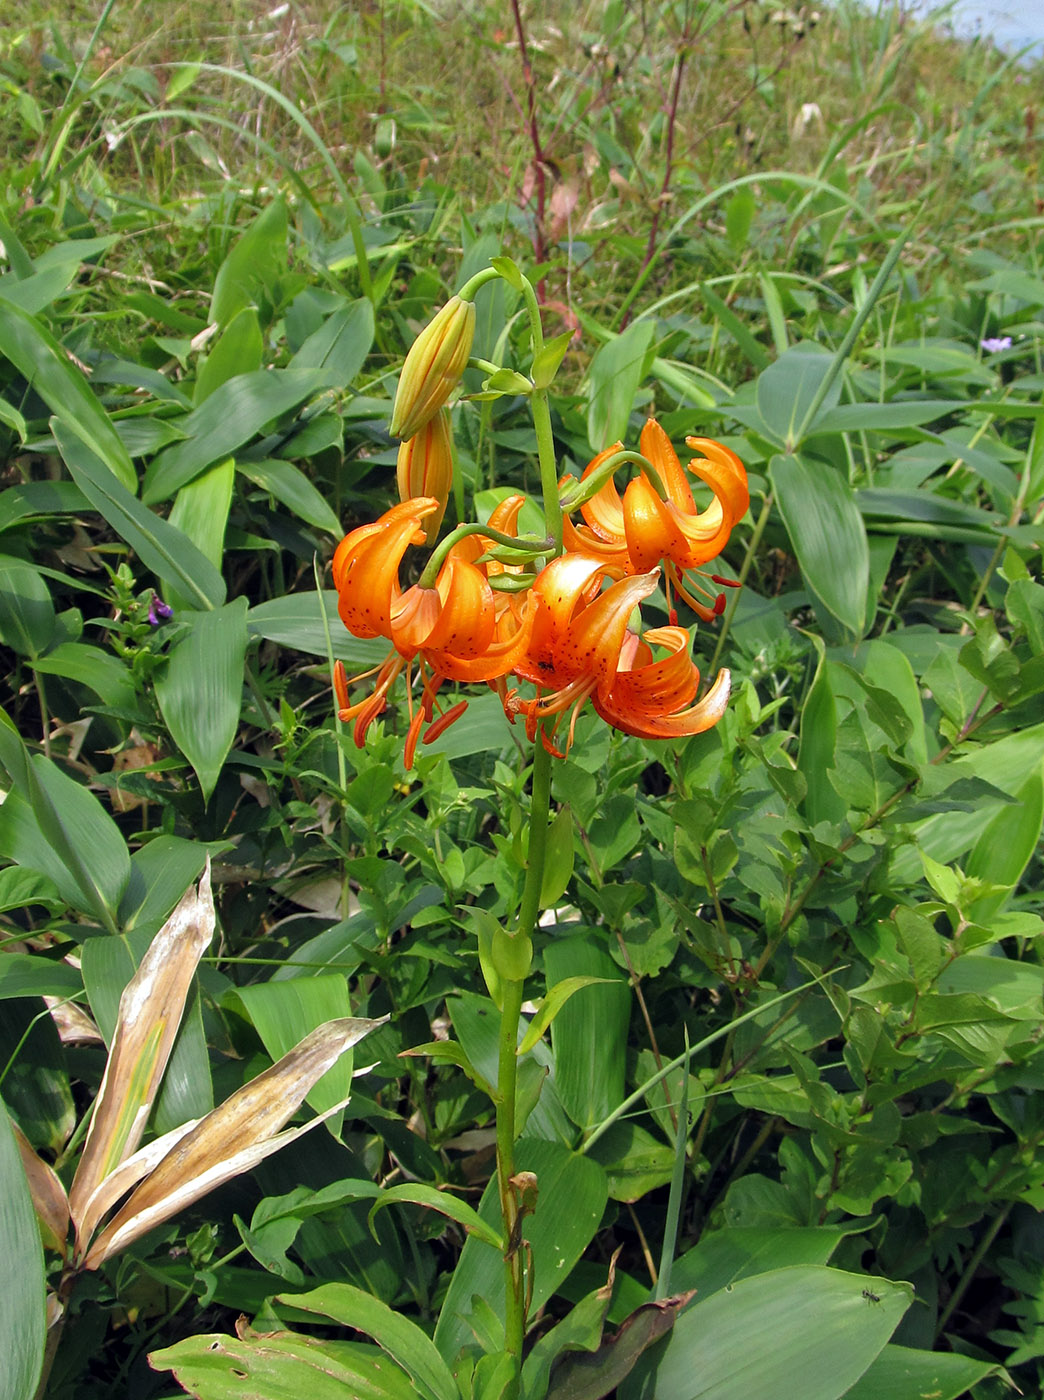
(433, 367)
(425, 468)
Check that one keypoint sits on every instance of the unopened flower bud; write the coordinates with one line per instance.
(433, 367)
(425, 467)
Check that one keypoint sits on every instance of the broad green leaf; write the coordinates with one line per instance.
(26, 975)
(26, 609)
(886, 668)
(740, 209)
(284, 1012)
(818, 742)
(296, 620)
(1005, 846)
(12, 419)
(200, 512)
(902, 1373)
(569, 1210)
(926, 513)
(884, 417)
(53, 824)
(634, 1161)
(128, 374)
(614, 375)
(589, 1034)
(282, 1367)
(446, 1204)
(230, 417)
(290, 486)
(161, 872)
(550, 1006)
(101, 671)
(20, 888)
(40, 498)
(22, 1318)
(786, 389)
(253, 265)
(160, 547)
(748, 343)
(36, 1076)
(724, 1256)
(558, 859)
(34, 294)
(774, 313)
(44, 363)
(802, 1333)
(827, 533)
(200, 693)
(341, 343)
(239, 349)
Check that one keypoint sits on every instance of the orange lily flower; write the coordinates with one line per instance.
(459, 629)
(582, 648)
(635, 534)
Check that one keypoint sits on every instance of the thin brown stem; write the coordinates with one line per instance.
(539, 166)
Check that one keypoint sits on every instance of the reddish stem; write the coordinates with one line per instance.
(539, 236)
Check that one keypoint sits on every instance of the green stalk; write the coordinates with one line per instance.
(460, 532)
(507, 1076)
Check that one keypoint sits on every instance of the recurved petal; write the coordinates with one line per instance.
(592, 643)
(657, 446)
(503, 654)
(367, 574)
(581, 539)
(604, 511)
(653, 527)
(559, 588)
(724, 473)
(659, 686)
(705, 714)
(468, 614)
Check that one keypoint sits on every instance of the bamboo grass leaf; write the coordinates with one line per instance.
(39, 358)
(159, 545)
(23, 1316)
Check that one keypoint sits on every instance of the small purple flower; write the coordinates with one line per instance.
(159, 611)
(995, 343)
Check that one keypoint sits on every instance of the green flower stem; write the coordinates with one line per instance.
(578, 492)
(536, 547)
(548, 470)
(473, 284)
(507, 1077)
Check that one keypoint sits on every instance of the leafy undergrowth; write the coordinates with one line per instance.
(815, 240)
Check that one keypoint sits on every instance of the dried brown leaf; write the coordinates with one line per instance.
(150, 1013)
(48, 1194)
(233, 1137)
